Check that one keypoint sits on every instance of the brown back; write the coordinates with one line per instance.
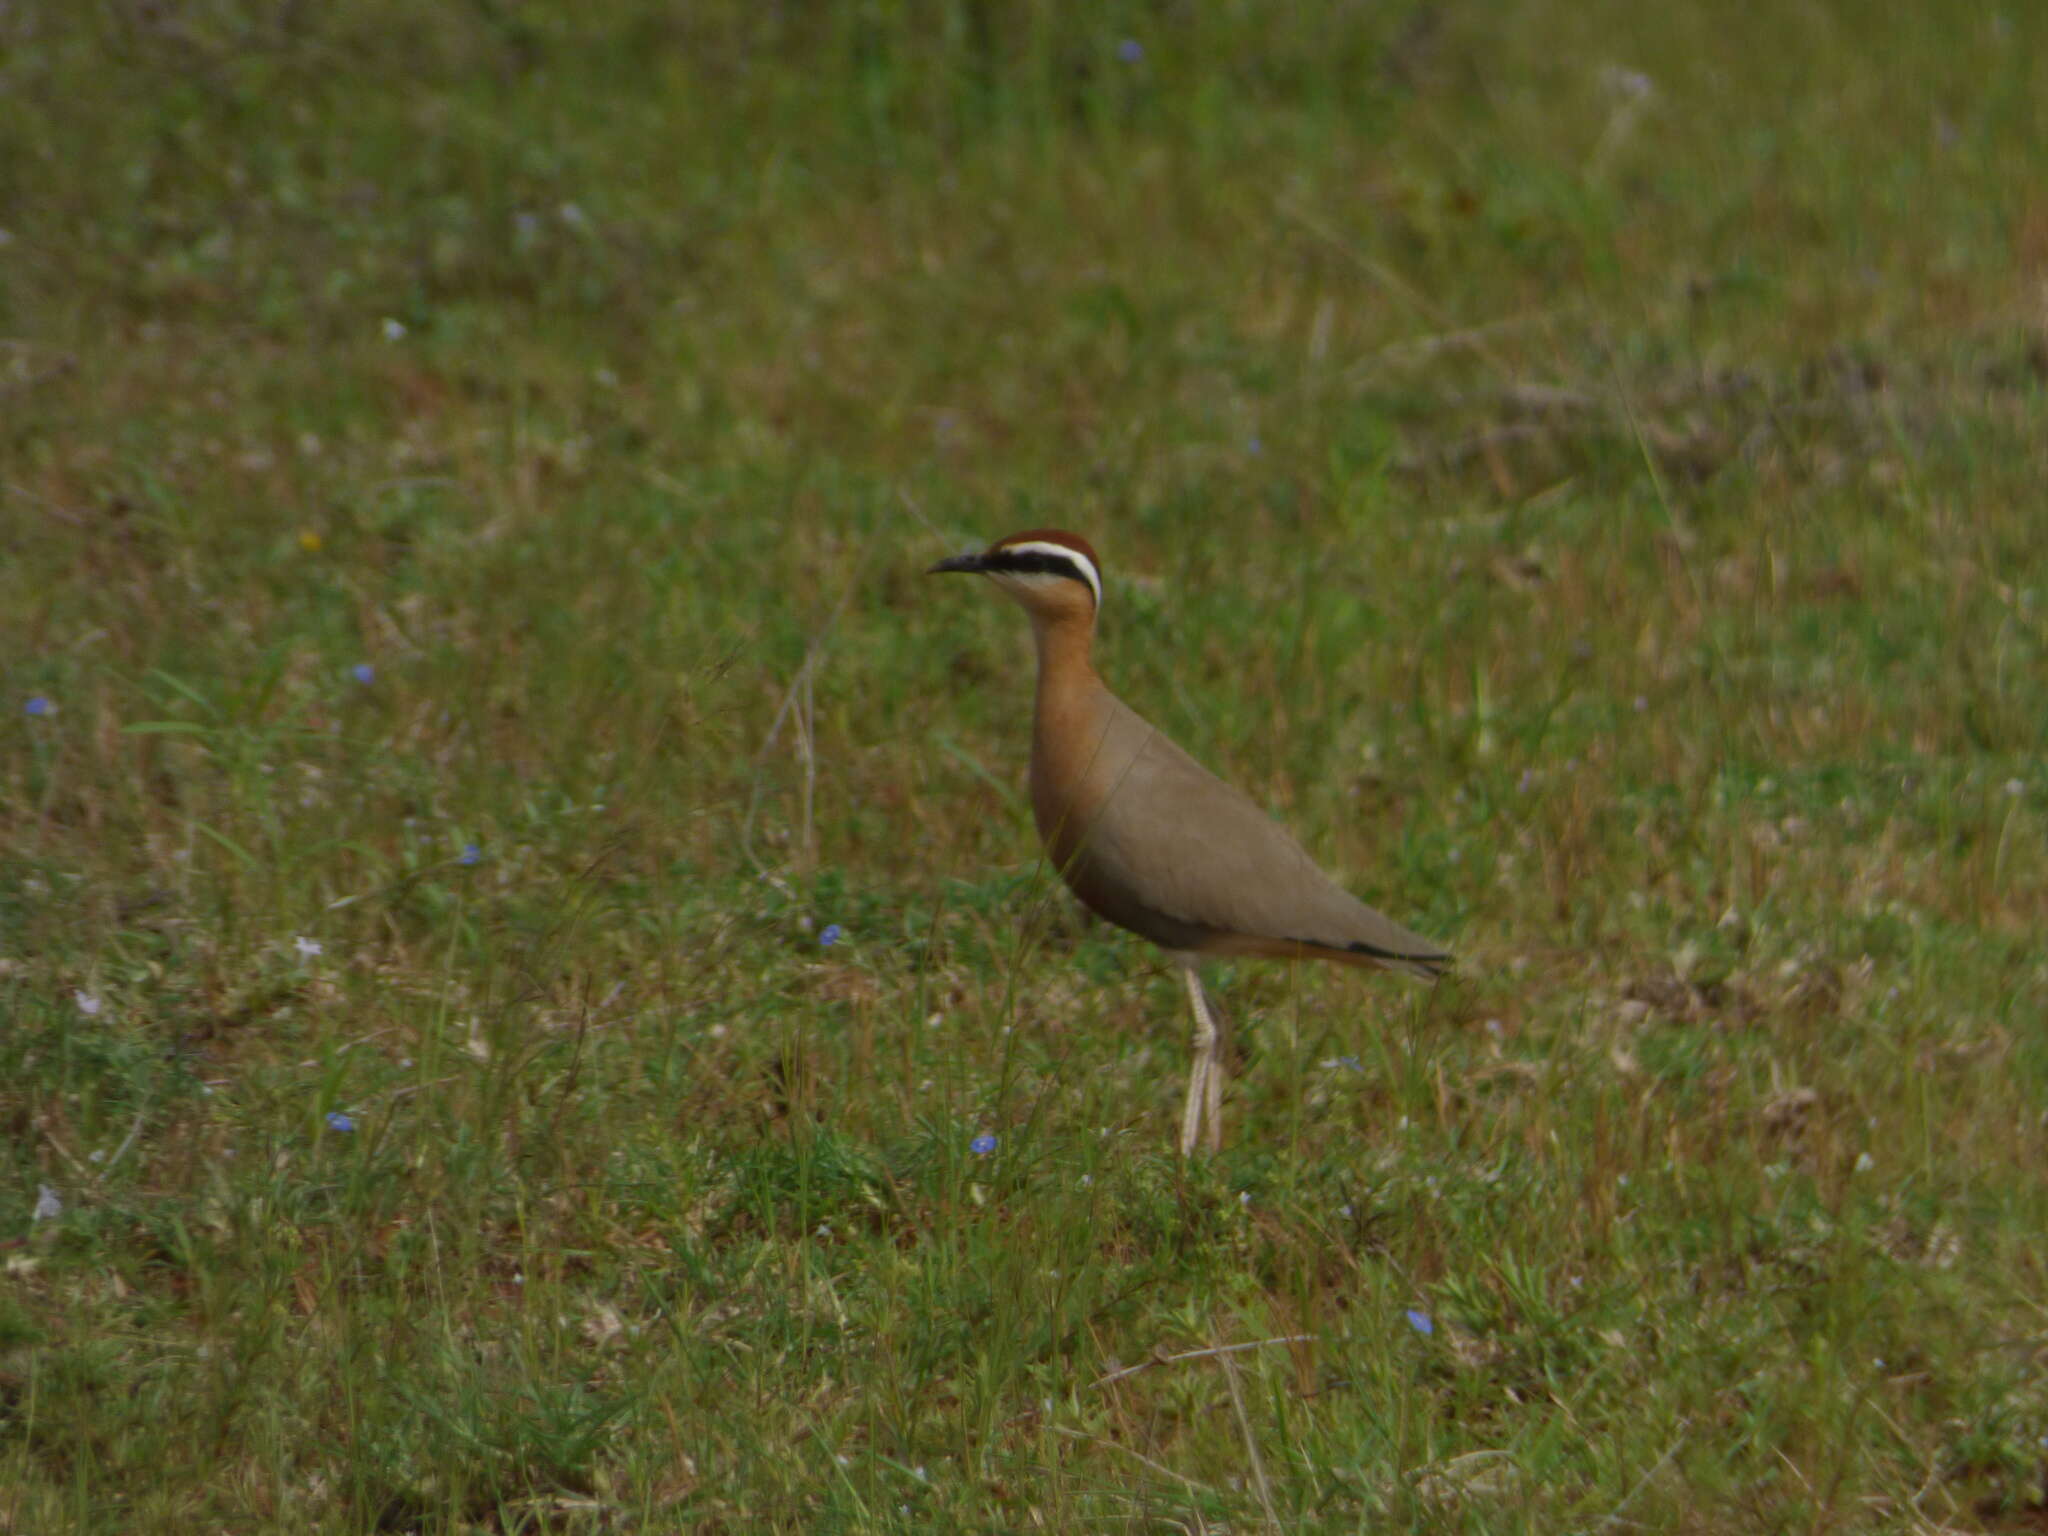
(1154, 842)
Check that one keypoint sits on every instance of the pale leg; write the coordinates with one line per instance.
(1219, 1067)
(1205, 1075)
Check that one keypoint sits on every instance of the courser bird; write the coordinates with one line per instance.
(1150, 839)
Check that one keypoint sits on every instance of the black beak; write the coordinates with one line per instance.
(960, 563)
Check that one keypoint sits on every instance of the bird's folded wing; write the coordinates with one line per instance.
(1178, 840)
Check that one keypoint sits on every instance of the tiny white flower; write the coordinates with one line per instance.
(49, 1205)
(1632, 84)
(1865, 1162)
(394, 330)
(306, 947)
(1244, 1198)
(87, 1004)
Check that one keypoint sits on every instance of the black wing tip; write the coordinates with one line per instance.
(1420, 957)
(1429, 963)
(1430, 967)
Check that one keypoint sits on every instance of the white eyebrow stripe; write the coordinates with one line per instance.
(1046, 547)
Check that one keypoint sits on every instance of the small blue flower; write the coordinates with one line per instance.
(982, 1145)
(471, 854)
(830, 936)
(337, 1121)
(1420, 1322)
(1254, 446)
(1130, 50)
(363, 672)
(37, 705)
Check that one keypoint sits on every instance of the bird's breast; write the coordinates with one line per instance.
(1087, 769)
(1075, 774)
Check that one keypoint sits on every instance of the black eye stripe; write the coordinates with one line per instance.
(1035, 563)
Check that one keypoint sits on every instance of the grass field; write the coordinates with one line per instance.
(465, 473)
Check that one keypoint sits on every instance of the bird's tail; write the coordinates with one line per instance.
(1425, 965)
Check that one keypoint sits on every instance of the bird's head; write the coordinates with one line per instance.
(1053, 573)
